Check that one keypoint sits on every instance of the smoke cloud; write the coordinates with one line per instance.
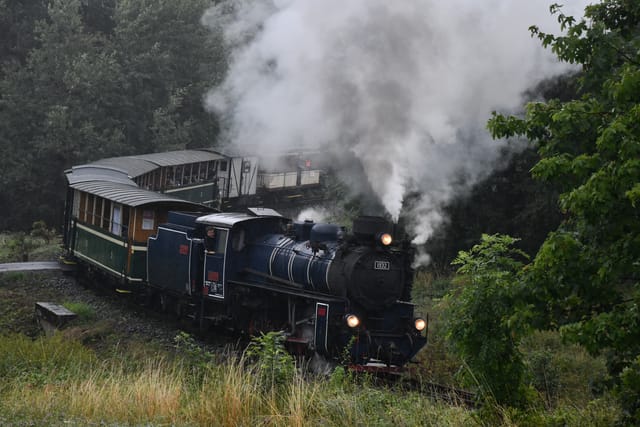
(405, 86)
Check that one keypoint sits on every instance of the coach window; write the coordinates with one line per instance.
(147, 219)
(97, 212)
(190, 175)
(155, 180)
(125, 221)
(89, 209)
(116, 224)
(82, 207)
(161, 182)
(77, 198)
(202, 171)
(237, 241)
(106, 216)
(211, 170)
(170, 181)
(178, 177)
(184, 174)
(221, 240)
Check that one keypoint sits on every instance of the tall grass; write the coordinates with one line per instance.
(42, 360)
(58, 381)
(153, 393)
(73, 387)
(105, 394)
(228, 395)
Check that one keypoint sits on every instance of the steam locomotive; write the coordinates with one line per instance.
(332, 292)
(326, 289)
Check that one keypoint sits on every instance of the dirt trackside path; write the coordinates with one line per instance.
(116, 321)
(32, 266)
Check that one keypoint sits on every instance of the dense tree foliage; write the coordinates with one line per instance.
(17, 21)
(85, 80)
(585, 277)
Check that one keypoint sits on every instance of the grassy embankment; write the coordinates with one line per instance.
(84, 376)
(63, 381)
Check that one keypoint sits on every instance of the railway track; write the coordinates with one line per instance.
(448, 394)
(438, 392)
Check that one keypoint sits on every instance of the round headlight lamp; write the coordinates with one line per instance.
(420, 324)
(352, 320)
(386, 239)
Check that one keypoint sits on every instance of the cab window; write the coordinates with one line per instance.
(237, 240)
(215, 239)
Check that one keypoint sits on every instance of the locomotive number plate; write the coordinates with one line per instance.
(381, 265)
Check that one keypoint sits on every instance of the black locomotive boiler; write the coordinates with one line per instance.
(331, 292)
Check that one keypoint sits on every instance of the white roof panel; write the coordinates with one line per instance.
(229, 219)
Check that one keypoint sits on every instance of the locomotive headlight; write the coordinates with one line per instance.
(420, 324)
(386, 239)
(352, 320)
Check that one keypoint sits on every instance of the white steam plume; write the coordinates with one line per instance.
(313, 214)
(407, 86)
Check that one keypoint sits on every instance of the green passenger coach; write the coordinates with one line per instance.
(108, 220)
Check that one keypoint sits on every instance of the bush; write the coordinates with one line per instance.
(43, 359)
(564, 374)
(629, 392)
(276, 366)
(40, 244)
(17, 247)
(482, 321)
(39, 230)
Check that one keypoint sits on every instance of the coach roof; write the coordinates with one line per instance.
(141, 164)
(129, 195)
(229, 219)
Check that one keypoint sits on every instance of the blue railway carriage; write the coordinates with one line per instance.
(329, 290)
(108, 220)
